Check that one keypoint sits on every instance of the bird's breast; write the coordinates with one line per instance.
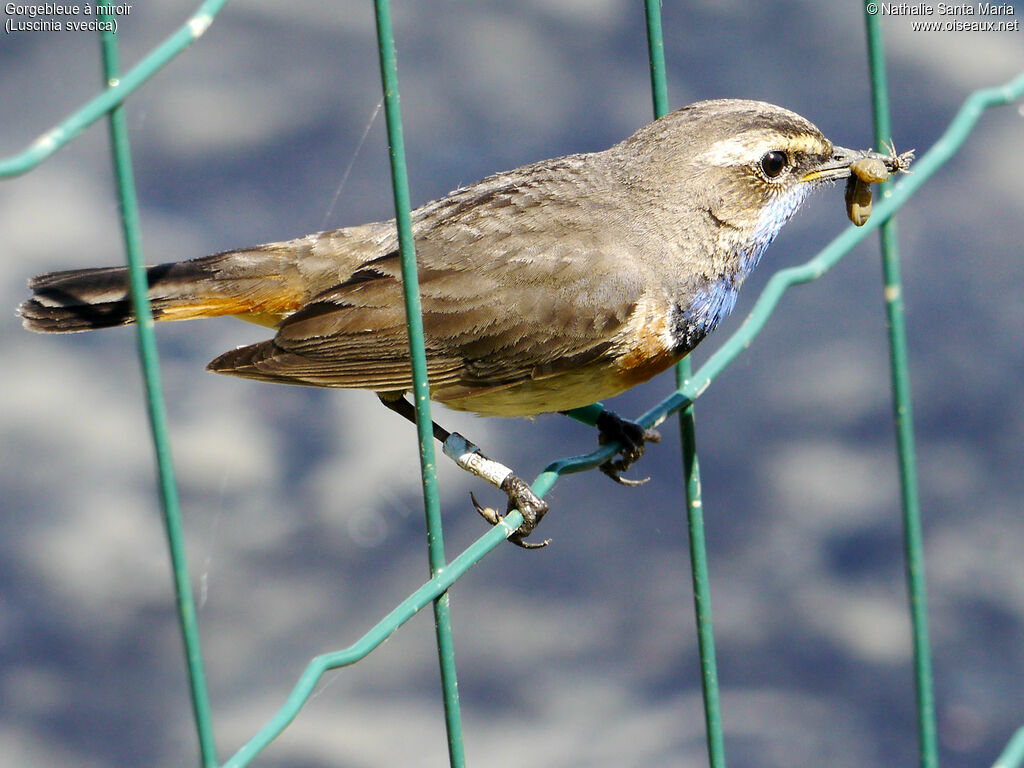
(649, 344)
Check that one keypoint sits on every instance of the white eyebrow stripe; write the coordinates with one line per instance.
(732, 151)
(738, 150)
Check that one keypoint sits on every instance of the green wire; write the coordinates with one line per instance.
(1013, 755)
(913, 537)
(691, 464)
(150, 365)
(421, 390)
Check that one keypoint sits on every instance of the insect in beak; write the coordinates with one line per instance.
(861, 169)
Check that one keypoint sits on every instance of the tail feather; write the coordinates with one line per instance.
(81, 300)
(258, 285)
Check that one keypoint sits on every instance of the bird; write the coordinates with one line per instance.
(545, 288)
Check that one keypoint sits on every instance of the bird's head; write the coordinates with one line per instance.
(738, 170)
(726, 175)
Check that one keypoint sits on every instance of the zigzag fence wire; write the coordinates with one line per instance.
(690, 385)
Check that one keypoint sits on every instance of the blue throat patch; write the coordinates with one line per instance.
(717, 298)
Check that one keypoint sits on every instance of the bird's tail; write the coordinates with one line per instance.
(261, 285)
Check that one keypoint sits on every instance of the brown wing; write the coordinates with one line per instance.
(520, 277)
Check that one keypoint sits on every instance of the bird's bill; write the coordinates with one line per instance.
(838, 167)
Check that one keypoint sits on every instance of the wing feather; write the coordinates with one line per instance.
(505, 295)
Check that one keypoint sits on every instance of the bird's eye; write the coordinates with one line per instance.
(774, 162)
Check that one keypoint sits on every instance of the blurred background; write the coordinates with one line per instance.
(303, 508)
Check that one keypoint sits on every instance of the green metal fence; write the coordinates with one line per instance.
(690, 385)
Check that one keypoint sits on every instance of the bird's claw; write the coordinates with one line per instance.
(613, 470)
(521, 497)
(631, 437)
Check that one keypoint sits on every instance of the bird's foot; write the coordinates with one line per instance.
(631, 437)
(520, 495)
(529, 504)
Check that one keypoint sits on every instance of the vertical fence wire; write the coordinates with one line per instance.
(913, 537)
(421, 391)
(150, 365)
(691, 465)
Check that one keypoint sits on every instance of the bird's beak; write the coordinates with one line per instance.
(838, 167)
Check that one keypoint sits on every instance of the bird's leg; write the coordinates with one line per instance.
(631, 438)
(470, 458)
